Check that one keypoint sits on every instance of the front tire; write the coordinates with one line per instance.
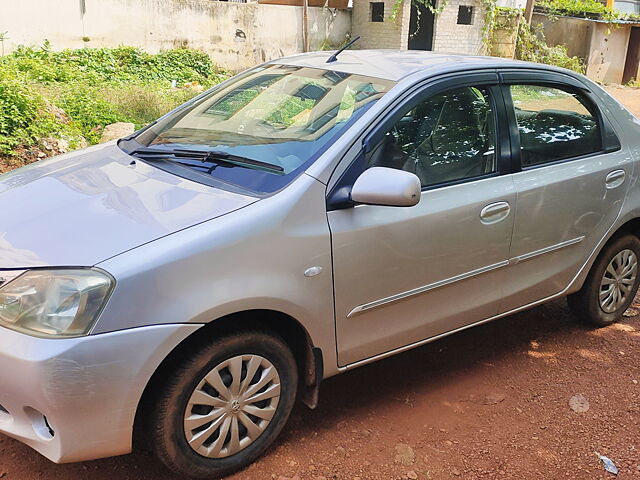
(222, 408)
(611, 285)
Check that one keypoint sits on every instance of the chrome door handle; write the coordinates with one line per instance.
(494, 212)
(615, 179)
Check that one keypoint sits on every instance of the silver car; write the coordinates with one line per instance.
(186, 284)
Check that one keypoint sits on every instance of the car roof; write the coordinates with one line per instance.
(397, 64)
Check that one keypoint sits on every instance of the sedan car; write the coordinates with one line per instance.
(184, 285)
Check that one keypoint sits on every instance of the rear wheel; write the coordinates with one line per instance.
(611, 284)
(222, 408)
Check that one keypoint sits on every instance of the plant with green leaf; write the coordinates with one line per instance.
(93, 87)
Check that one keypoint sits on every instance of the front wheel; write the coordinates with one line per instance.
(222, 408)
(611, 284)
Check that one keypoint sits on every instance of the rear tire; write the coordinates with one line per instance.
(611, 284)
(222, 408)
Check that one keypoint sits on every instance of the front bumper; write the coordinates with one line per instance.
(76, 399)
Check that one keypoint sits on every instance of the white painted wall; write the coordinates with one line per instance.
(392, 33)
(512, 3)
(449, 37)
(236, 35)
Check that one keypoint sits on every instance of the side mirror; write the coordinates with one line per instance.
(387, 186)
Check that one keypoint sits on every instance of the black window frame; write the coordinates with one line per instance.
(609, 138)
(339, 196)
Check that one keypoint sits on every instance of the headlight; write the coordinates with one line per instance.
(54, 303)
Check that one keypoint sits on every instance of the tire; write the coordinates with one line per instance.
(622, 254)
(180, 443)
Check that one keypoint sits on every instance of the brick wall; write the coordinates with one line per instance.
(390, 33)
(449, 37)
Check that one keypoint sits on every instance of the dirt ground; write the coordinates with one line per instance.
(488, 403)
(629, 97)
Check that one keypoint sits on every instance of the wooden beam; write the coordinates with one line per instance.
(305, 25)
(528, 11)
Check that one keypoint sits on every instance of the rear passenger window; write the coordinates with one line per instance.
(554, 124)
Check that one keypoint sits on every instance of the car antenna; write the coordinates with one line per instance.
(334, 57)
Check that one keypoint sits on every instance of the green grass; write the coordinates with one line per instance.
(94, 87)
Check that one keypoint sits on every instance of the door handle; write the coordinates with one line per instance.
(494, 212)
(615, 179)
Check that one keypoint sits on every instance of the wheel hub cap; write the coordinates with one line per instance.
(232, 406)
(618, 281)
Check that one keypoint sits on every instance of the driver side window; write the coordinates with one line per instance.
(448, 137)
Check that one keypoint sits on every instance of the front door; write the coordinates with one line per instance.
(404, 274)
(570, 189)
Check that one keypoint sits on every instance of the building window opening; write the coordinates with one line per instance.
(377, 11)
(465, 15)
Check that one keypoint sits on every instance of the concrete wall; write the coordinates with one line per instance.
(601, 46)
(608, 52)
(512, 3)
(392, 33)
(574, 33)
(449, 37)
(236, 35)
(505, 35)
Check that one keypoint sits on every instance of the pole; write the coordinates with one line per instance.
(528, 11)
(305, 25)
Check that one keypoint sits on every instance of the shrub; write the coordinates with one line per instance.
(584, 9)
(143, 104)
(86, 107)
(94, 87)
(532, 47)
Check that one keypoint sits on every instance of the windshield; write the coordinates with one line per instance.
(276, 115)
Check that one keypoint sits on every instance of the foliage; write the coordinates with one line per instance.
(584, 9)
(94, 87)
(531, 46)
(498, 19)
(530, 42)
(25, 117)
(329, 45)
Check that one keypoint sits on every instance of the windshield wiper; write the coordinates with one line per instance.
(210, 156)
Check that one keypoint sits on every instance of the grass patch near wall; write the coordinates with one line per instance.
(49, 97)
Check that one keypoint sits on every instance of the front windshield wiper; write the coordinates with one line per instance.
(208, 156)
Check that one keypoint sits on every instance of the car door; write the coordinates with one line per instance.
(405, 274)
(571, 182)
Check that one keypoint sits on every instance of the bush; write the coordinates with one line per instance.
(583, 9)
(113, 65)
(86, 107)
(144, 104)
(94, 87)
(532, 47)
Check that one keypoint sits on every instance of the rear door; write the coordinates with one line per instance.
(570, 176)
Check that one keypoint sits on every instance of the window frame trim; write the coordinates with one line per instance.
(339, 195)
(608, 136)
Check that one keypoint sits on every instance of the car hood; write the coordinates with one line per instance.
(81, 208)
